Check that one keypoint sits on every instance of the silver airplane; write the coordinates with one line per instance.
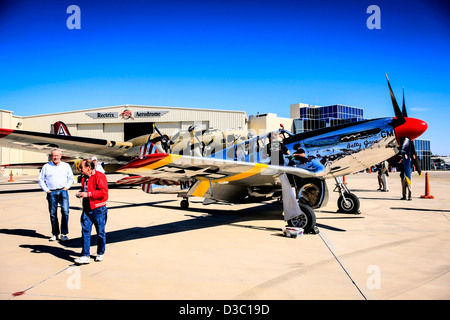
(262, 166)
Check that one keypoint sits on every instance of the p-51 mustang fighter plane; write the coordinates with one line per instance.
(253, 167)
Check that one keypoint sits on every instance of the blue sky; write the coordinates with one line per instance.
(255, 56)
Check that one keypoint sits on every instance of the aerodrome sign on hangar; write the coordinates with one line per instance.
(126, 114)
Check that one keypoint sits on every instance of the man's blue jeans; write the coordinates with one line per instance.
(62, 197)
(96, 217)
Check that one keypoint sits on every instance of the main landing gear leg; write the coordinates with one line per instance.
(348, 202)
(296, 214)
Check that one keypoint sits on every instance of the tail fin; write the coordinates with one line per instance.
(61, 129)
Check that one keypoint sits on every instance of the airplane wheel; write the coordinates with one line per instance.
(184, 204)
(306, 221)
(352, 205)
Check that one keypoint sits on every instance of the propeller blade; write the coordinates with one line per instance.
(157, 130)
(164, 140)
(405, 151)
(415, 160)
(397, 111)
(405, 114)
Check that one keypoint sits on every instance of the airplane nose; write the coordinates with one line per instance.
(412, 128)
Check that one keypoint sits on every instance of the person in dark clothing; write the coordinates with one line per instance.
(298, 157)
(405, 185)
(383, 168)
(94, 193)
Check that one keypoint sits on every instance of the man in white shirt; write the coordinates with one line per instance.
(55, 179)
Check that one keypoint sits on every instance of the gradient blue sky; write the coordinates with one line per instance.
(255, 56)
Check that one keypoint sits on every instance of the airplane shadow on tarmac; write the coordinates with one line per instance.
(212, 218)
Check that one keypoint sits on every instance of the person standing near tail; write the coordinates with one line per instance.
(94, 193)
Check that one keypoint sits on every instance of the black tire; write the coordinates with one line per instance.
(352, 205)
(306, 221)
(184, 204)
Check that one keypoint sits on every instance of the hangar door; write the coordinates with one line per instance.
(136, 129)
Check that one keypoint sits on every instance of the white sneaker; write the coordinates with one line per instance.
(83, 260)
(99, 258)
(63, 237)
(53, 238)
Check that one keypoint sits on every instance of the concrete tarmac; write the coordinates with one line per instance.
(394, 249)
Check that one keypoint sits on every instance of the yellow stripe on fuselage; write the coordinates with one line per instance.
(158, 164)
(204, 184)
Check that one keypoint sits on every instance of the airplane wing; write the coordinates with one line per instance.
(30, 165)
(71, 146)
(230, 177)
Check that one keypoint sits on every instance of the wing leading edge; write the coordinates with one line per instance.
(71, 146)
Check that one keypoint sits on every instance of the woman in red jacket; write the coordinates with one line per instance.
(94, 192)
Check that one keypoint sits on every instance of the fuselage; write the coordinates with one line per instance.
(348, 148)
(352, 147)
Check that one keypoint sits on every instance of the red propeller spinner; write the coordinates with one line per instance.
(412, 129)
